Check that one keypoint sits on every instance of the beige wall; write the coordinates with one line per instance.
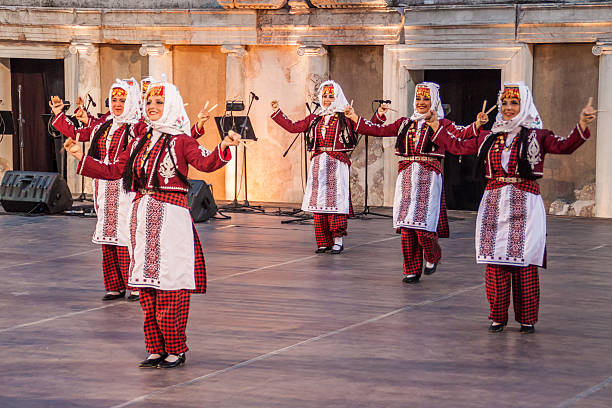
(6, 145)
(199, 73)
(275, 72)
(564, 76)
(120, 61)
(359, 70)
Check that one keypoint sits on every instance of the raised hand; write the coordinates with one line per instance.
(232, 139)
(349, 112)
(203, 116)
(483, 117)
(56, 104)
(73, 148)
(587, 115)
(432, 120)
(274, 105)
(80, 113)
(383, 109)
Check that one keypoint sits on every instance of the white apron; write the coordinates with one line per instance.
(511, 228)
(327, 189)
(161, 246)
(416, 204)
(112, 205)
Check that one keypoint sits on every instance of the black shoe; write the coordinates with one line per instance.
(430, 271)
(527, 328)
(320, 250)
(179, 362)
(110, 296)
(152, 362)
(496, 328)
(411, 278)
(133, 298)
(335, 251)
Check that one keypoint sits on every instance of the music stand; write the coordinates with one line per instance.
(366, 208)
(243, 126)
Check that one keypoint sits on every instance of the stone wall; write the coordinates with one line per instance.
(275, 72)
(564, 77)
(116, 4)
(481, 2)
(199, 73)
(359, 70)
(119, 61)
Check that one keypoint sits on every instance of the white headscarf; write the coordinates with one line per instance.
(436, 103)
(174, 120)
(131, 111)
(528, 116)
(339, 102)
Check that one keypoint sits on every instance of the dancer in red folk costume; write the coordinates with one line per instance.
(511, 223)
(167, 262)
(419, 208)
(330, 137)
(109, 136)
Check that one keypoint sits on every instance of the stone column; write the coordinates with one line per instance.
(160, 60)
(603, 174)
(82, 77)
(317, 67)
(234, 91)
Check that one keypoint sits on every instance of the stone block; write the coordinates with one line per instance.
(586, 193)
(559, 207)
(253, 4)
(584, 208)
(349, 3)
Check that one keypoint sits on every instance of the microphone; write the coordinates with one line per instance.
(383, 101)
(254, 96)
(91, 100)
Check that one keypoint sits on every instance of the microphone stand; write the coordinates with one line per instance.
(235, 206)
(21, 138)
(299, 214)
(366, 208)
(82, 196)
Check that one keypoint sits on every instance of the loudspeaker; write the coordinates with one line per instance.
(34, 192)
(202, 205)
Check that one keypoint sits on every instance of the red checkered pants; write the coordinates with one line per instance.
(328, 227)
(165, 320)
(525, 292)
(115, 267)
(416, 244)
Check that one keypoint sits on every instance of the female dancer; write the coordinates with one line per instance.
(419, 208)
(109, 137)
(330, 136)
(511, 223)
(167, 261)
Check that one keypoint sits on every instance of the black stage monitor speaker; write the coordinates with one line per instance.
(202, 205)
(34, 192)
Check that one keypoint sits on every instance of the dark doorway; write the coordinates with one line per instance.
(39, 79)
(465, 90)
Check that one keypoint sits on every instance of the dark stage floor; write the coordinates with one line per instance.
(283, 327)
